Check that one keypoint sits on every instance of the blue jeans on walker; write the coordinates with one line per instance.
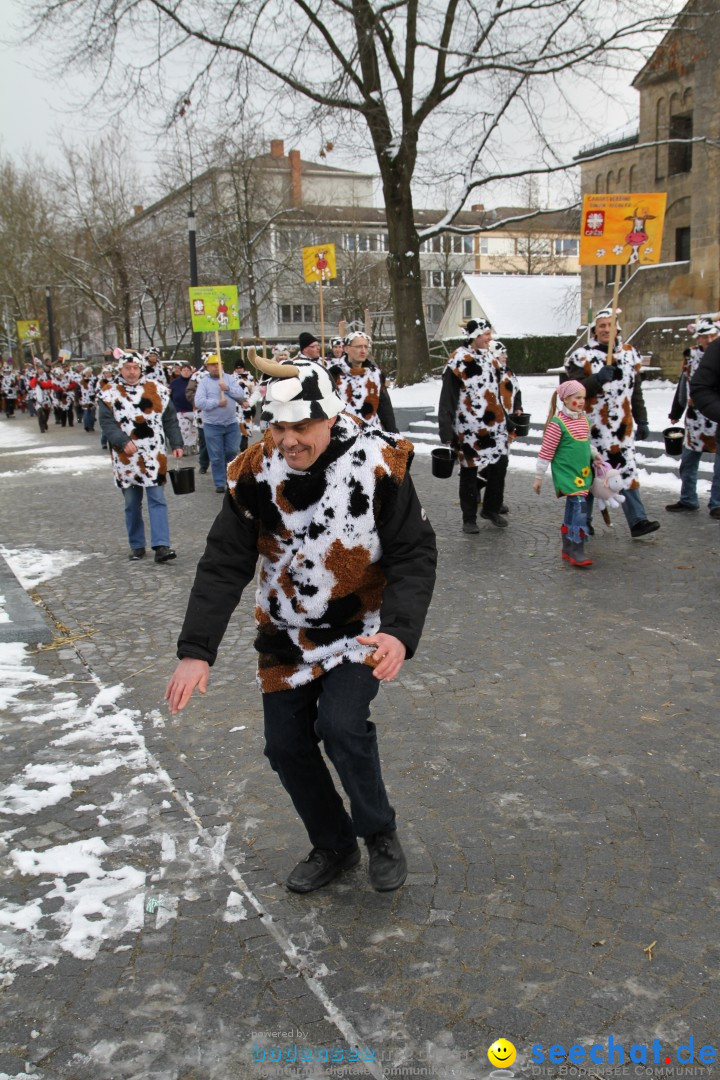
(157, 511)
(689, 464)
(333, 709)
(575, 520)
(223, 444)
(632, 508)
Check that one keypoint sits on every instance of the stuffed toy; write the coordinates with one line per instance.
(607, 485)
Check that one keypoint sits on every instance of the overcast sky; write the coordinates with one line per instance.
(40, 105)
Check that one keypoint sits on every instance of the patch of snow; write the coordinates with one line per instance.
(31, 566)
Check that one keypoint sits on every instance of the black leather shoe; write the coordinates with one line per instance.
(470, 527)
(678, 507)
(202, 471)
(320, 867)
(220, 491)
(164, 554)
(504, 509)
(136, 554)
(715, 512)
(387, 868)
(644, 528)
(497, 520)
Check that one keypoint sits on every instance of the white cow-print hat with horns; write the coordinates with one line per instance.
(302, 390)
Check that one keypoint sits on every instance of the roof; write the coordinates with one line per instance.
(525, 305)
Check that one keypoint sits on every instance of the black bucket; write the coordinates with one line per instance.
(183, 480)
(674, 438)
(443, 462)
(519, 423)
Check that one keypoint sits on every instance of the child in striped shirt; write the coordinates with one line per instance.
(566, 449)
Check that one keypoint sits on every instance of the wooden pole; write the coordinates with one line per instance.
(322, 324)
(223, 399)
(613, 327)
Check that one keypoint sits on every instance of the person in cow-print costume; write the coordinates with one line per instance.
(361, 384)
(136, 416)
(700, 432)
(614, 404)
(347, 568)
(476, 395)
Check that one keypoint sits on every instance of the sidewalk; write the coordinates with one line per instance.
(551, 753)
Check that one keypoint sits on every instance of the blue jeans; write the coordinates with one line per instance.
(575, 519)
(333, 709)
(689, 464)
(157, 510)
(632, 508)
(88, 417)
(223, 443)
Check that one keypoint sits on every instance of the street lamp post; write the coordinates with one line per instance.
(51, 324)
(197, 337)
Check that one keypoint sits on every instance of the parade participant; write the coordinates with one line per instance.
(41, 391)
(152, 366)
(360, 383)
(136, 416)
(88, 391)
(473, 402)
(614, 400)
(337, 348)
(700, 433)
(347, 567)
(705, 383)
(63, 397)
(215, 397)
(246, 411)
(567, 450)
(9, 389)
(309, 347)
(190, 390)
(184, 407)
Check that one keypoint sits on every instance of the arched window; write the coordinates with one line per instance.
(661, 129)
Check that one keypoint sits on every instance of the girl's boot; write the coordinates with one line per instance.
(565, 542)
(576, 554)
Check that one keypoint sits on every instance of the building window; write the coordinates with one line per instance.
(467, 309)
(441, 279)
(434, 313)
(682, 244)
(350, 242)
(533, 245)
(297, 313)
(680, 154)
(497, 245)
(288, 240)
(567, 247)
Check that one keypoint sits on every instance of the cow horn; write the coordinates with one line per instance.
(272, 367)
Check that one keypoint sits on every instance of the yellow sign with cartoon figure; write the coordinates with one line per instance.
(319, 262)
(28, 329)
(214, 307)
(622, 229)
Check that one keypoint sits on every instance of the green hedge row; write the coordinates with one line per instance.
(527, 355)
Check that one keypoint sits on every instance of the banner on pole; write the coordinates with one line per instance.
(28, 330)
(319, 263)
(622, 229)
(214, 307)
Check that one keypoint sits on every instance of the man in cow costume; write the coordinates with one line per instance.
(700, 432)
(136, 416)
(360, 383)
(614, 404)
(347, 568)
(474, 400)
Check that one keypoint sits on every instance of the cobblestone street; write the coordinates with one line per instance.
(551, 754)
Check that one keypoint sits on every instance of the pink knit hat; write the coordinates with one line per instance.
(567, 389)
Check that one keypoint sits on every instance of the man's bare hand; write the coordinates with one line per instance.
(389, 655)
(188, 675)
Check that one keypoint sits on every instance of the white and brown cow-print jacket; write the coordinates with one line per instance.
(144, 414)
(613, 406)
(345, 550)
(475, 397)
(363, 392)
(700, 433)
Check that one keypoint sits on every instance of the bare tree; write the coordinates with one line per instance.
(416, 80)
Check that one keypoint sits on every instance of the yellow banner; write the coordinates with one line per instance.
(319, 262)
(28, 329)
(622, 229)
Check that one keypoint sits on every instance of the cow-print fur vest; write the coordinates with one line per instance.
(320, 583)
(610, 412)
(480, 434)
(700, 433)
(359, 390)
(138, 411)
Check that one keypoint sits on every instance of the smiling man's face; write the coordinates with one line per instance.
(302, 443)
